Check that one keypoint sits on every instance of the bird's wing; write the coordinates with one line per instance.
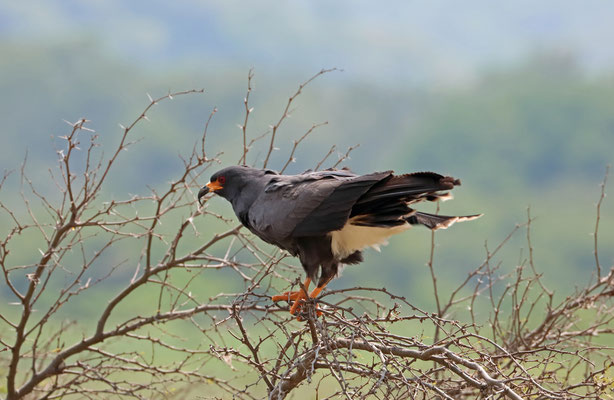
(333, 212)
(403, 190)
(308, 204)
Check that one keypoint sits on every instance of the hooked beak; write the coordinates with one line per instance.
(201, 193)
(209, 187)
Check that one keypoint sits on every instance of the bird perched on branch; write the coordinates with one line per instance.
(327, 218)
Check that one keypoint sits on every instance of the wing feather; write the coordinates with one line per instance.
(309, 204)
(334, 211)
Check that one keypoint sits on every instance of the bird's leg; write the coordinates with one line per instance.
(316, 292)
(300, 299)
(321, 285)
(294, 296)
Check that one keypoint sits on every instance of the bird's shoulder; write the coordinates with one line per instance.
(286, 183)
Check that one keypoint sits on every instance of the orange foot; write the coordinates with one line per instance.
(289, 296)
(298, 299)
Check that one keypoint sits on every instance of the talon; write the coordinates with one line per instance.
(298, 304)
(298, 298)
(301, 317)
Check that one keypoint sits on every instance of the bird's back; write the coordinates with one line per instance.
(307, 205)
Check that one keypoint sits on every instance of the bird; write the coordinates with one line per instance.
(327, 218)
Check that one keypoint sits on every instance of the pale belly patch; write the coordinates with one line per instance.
(352, 238)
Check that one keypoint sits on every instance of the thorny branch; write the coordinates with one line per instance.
(286, 112)
(597, 220)
(168, 326)
(248, 111)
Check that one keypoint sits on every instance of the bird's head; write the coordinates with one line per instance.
(230, 182)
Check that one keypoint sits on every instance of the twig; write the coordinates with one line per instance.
(248, 111)
(595, 234)
(296, 143)
(286, 113)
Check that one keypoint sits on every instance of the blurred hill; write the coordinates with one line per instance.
(514, 99)
(438, 42)
(535, 133)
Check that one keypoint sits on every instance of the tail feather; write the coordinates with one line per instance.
(435, 222)
(387, 203)
(410, 188)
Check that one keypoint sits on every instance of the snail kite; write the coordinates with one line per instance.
(327, 218)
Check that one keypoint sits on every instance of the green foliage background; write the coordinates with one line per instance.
(535, 131)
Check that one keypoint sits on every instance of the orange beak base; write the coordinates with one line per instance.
(209, 187)
(213, 186)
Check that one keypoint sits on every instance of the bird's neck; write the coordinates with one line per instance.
(249, 192)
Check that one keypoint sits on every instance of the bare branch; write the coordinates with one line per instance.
(286, 113)
(248, 111)
(162, 326)
(297, 143)
(595, 234)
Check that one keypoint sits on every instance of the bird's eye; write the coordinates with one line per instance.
(221, 180)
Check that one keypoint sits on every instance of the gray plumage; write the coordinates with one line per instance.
(328, 217)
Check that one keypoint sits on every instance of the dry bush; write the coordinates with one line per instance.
(369, 342)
